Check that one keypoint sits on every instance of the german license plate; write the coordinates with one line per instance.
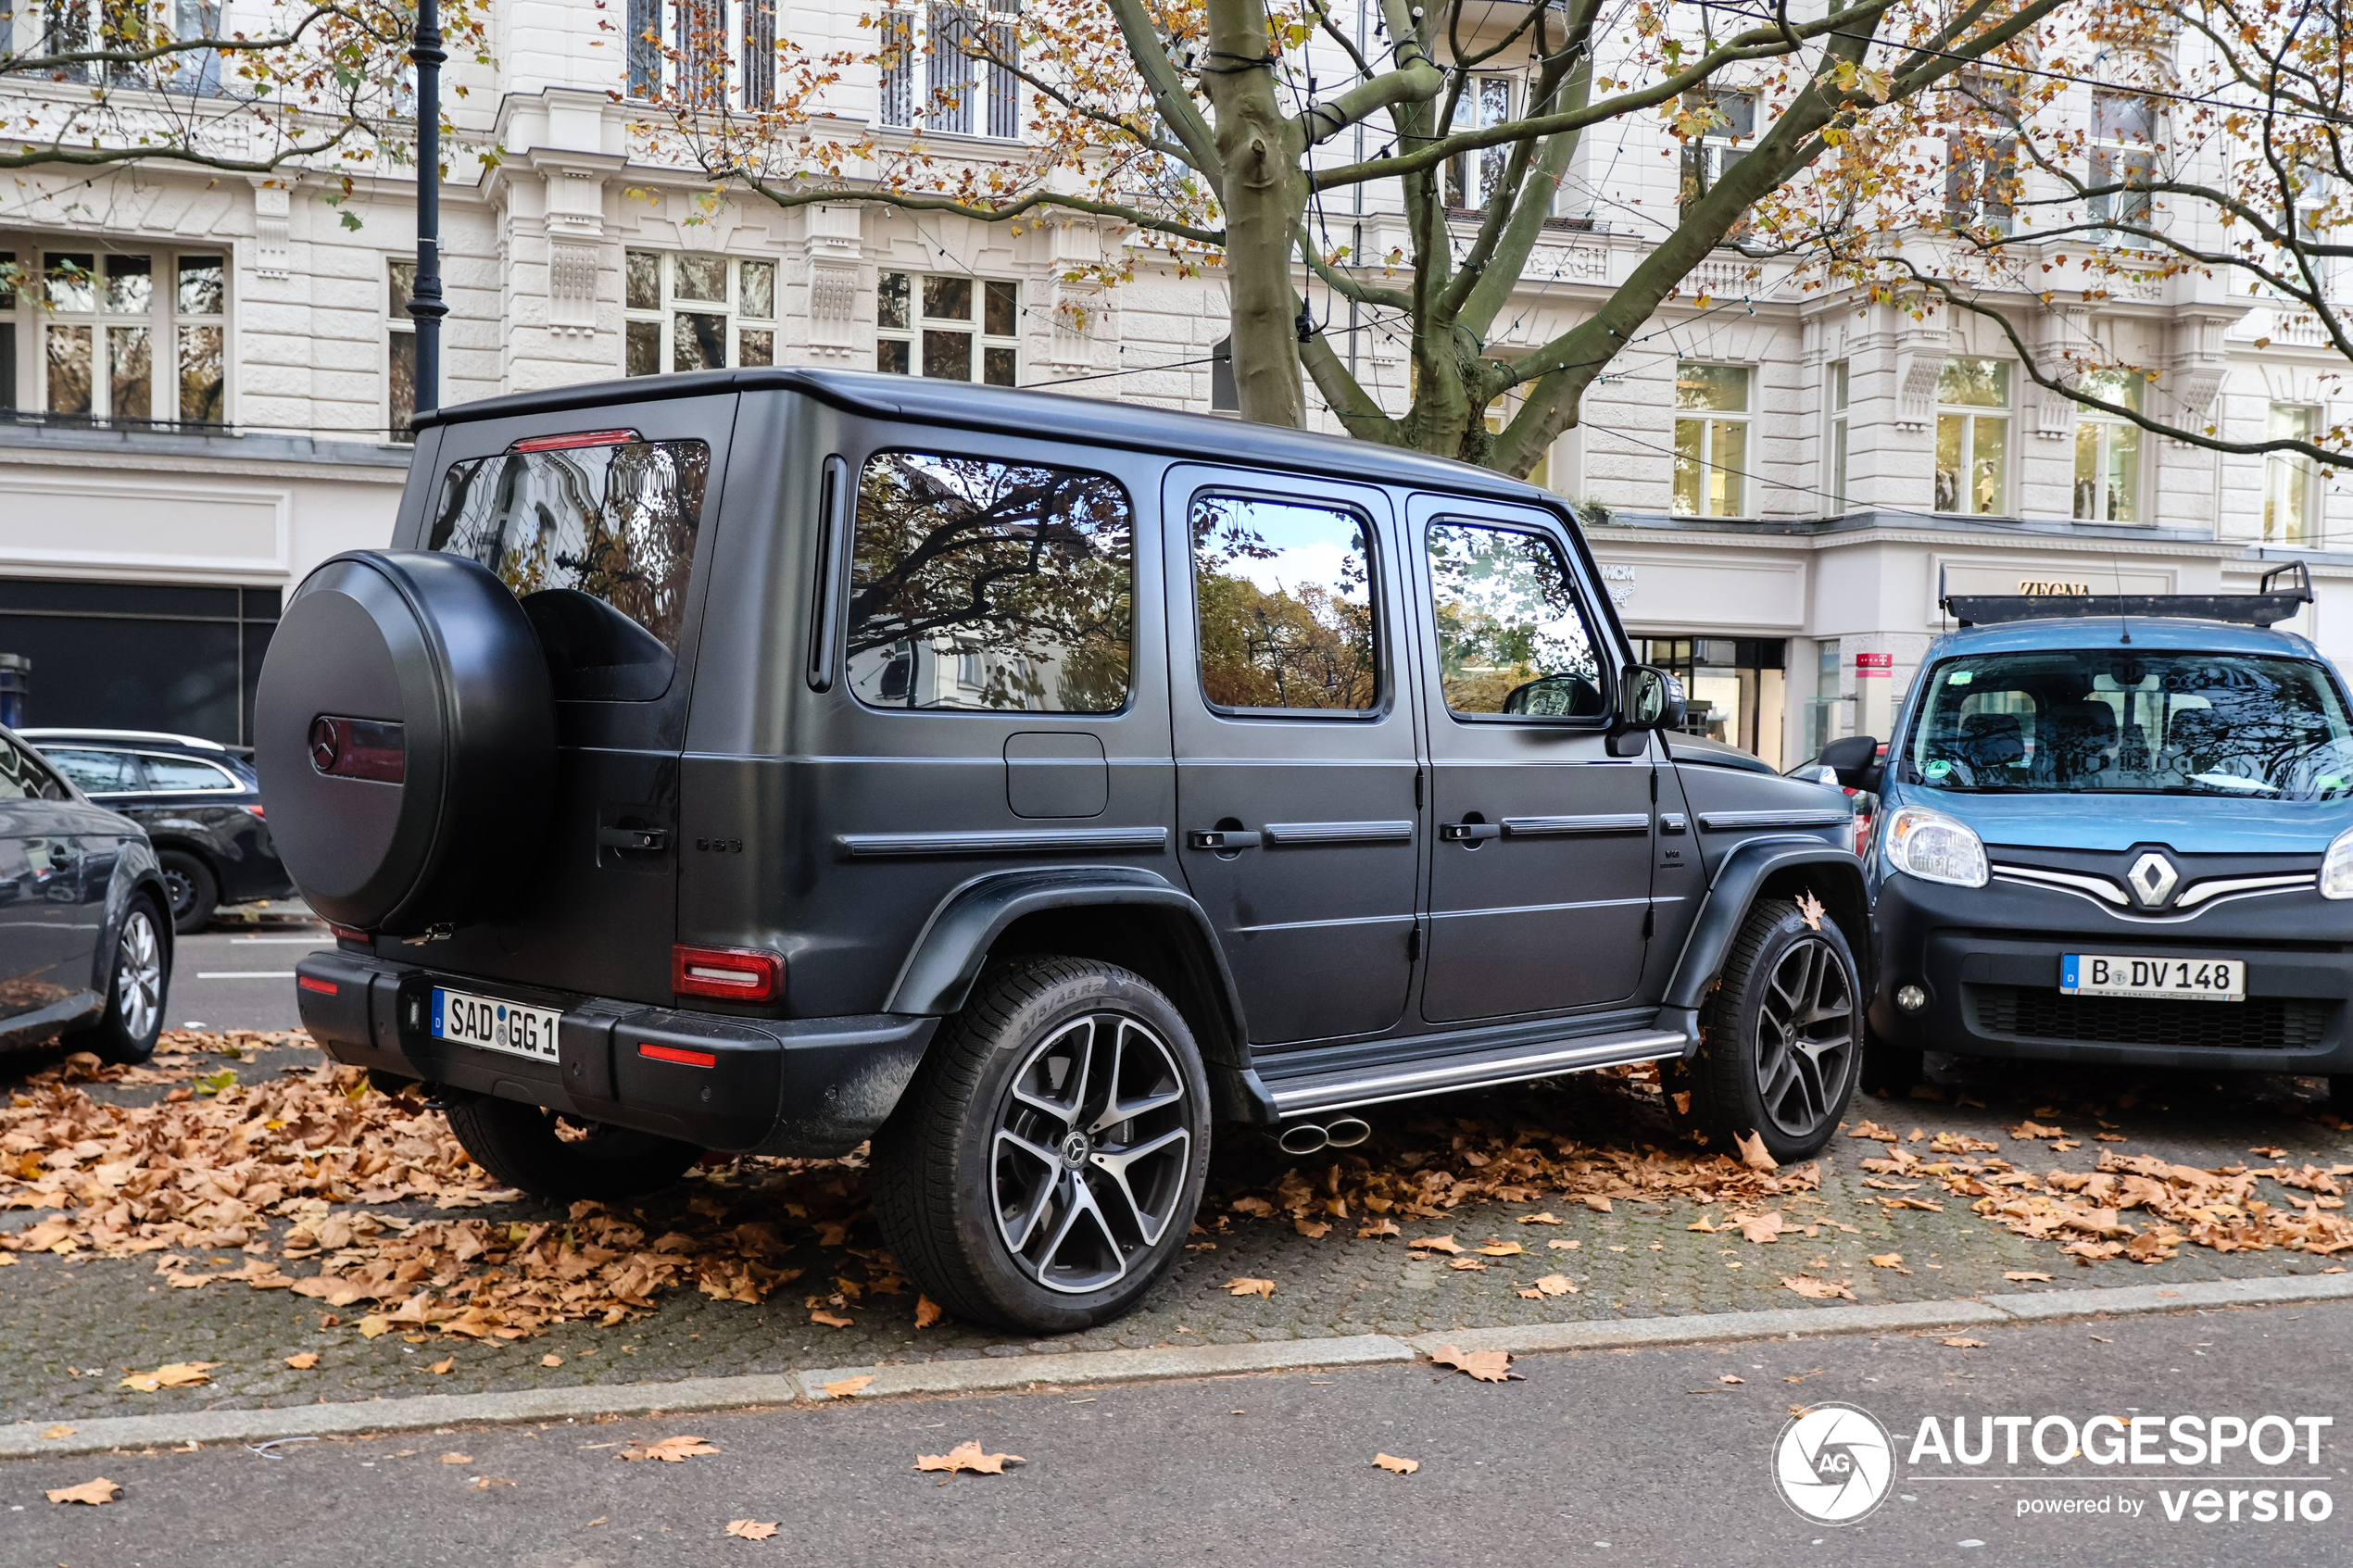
(2193, 980)
(493, 1025)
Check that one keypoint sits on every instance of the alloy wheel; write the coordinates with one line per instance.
(1805, 1036)
(1087, 1164)
(183, 889)
(138, 974)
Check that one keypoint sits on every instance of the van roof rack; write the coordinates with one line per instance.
(2267, 606)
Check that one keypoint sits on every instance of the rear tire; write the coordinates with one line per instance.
(519, 1144)
(1043, 1169)
(196, 892)
(1784, 1034)
(127, 1030)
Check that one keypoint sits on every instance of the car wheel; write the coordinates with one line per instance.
(1043, 1168)
(196, 892)
(127, 1031)
(1783, 1034)
(565, 1157)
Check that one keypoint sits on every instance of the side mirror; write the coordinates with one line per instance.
(1855, 760)
(1648, 698)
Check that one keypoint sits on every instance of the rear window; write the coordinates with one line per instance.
(1002, 587)
(99, 773)
(181, 774)
(598, 544)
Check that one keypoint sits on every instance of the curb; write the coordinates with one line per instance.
(24, 1440)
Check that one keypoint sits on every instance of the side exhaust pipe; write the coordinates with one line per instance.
(1309, 1137)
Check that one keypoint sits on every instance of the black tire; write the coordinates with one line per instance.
(1783, 1034)
(964, 1158)
(196, 892)
(1890, 1070)
(136, 988)
(521, 1146)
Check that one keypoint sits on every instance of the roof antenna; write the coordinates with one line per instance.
(2123, 625)
(1944, 595)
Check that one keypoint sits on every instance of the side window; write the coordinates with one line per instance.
(99, 773)
(1283, 599)
(1511, 636)
(997, 587)
(180, 774)
(23, 778)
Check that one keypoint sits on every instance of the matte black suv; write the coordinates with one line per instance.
(776, 760)
(199, 802)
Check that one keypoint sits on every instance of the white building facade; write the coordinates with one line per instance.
(207, 401)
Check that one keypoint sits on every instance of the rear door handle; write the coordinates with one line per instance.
(632, 838)
(1224, 838)
(1469, 833)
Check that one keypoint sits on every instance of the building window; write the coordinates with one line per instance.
(2108, 450)
(924, 325)
(956, 48)
(1834, 440)
(2289, 502)
(687, 46)
(690, 310)
(2124, 131)
(1711, 443)
(1710, 156)
(123, 339)
(400, 354)
(897, 57)
(644, 57)
(1972, 436)
(759, 54)
(1004, 87)
(1475, 179)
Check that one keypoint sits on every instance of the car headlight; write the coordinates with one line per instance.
(2336, 870)
(1934, 847)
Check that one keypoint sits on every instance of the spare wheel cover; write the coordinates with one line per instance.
(404, 731)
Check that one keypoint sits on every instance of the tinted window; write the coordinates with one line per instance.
(99, 773)
(989, 585)
(1283, 597)
(1511, 636)
(598, 544)
(178, 773)
(2117, 720)
(21, 778)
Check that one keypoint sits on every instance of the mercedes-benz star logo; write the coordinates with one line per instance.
(323, 750)
(2152, 879)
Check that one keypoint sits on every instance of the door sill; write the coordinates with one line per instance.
(1351, 1087)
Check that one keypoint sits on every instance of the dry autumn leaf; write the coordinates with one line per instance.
(1502, 1250)
(551, 1359)
(374, 1325)
(92, 1492)
(1810, 910)
(1547, 1218)
(967, 1455)
(1559, 1246)
(1556, 1284)
(304, 1361)
(928, 1312)
(1962, 1342)
(1488, 1366)
(60, 1430)
(1245, 1285)
(454, 1458)
(831, 1320)
(751, 1529)
(1374, 1227)
(1819, 1289)
(441, 1367)
(1727, 1377)
(1762, 1227)
(2036, 1130)
(483, 1483)
(845, 1387)
(1465, 1263)
(1888, 1260)
(2024, 1275)
(669, 1450)
(1395, 1465)
(1753, 1152)
(172, 1374)
(1436, 1244)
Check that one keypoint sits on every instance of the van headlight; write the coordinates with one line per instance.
(1934, 847)
(2337, 869)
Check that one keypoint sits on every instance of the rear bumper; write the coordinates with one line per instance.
(804, 1087)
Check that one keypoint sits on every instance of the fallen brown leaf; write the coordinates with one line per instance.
(303, 1362)
(453, 1457)
(1762, 1227)
(1488, 1366)
(1245, 1285)
(1396, 1466)
(1702, 1224)
(1502, 1250)
(846, 1388)
(1314, 1230)
(441, 1367)
(1556, 1284)
(483, 1483)
(2024, 1274)
(750, 1529)
(831, 1320)
(1819, 1289)
(92, 1492)
(1559, 1246)
(1962, 1342)
(374, 1325)
(669, 1450)
(58, 1431)
(1810, 910)
(1753, 1153)
(928, 1312)
(2036, 1130)
(1547, 1218)
(1468, 1265)
(967, 1456)
(1379, 1226)
(172, 1374)
(1727, 1377)
(1436, 1244)
(551, 1359)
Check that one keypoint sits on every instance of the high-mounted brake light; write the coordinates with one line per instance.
(671, 1053)
(577, 438)
(740, 974)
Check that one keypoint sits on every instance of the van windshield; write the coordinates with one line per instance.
(2117, 720)
(598, 544)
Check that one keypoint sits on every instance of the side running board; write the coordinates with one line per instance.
(1338, 1091)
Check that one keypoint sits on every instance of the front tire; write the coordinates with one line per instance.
(1043, 1169)
(1784, 1034)
(521, 1146)
(128, 1030)
(196, 892)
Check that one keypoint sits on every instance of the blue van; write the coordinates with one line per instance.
(2118, 830)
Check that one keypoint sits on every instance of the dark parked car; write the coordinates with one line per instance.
(85, 950)
(199, 802)
(773, 760)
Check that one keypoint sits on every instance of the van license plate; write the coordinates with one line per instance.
(495, 1025)
(2192, 979)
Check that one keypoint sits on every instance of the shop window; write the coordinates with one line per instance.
(2289, 487)
(1734, 688)
(690, 310)
(126, 338)
(1972, 436)
(1711, 440)
(2108, 450)
(947, 326)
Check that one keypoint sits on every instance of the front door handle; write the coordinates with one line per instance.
(633, 838)
(1469, 833)
(1224, 839)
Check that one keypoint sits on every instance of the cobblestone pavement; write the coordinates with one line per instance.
(75, 1324)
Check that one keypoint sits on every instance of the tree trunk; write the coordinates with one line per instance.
(1266, 198)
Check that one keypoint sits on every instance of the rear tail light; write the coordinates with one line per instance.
(255, 809)
(738, 975)
(672, 1053)
(577, 438)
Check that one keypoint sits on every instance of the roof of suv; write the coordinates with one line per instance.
(2168, 632)
(1021, 412)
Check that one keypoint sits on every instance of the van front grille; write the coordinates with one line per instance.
(2030, 1012)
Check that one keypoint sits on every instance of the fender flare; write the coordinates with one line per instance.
(1745, 869)
(136, 871)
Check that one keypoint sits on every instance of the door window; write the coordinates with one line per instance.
(1283, 599)
(23, 778)
(99, 773)
(1511, 639)
(1005, 587)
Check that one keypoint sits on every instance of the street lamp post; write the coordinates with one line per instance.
(426, 304)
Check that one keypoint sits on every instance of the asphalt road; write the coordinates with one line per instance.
(239, 979)
(1649, 1458)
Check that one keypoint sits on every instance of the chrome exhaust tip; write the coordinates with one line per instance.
(1302, 1137)
(1346, 1133)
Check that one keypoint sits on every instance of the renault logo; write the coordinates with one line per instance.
(2152, 879)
